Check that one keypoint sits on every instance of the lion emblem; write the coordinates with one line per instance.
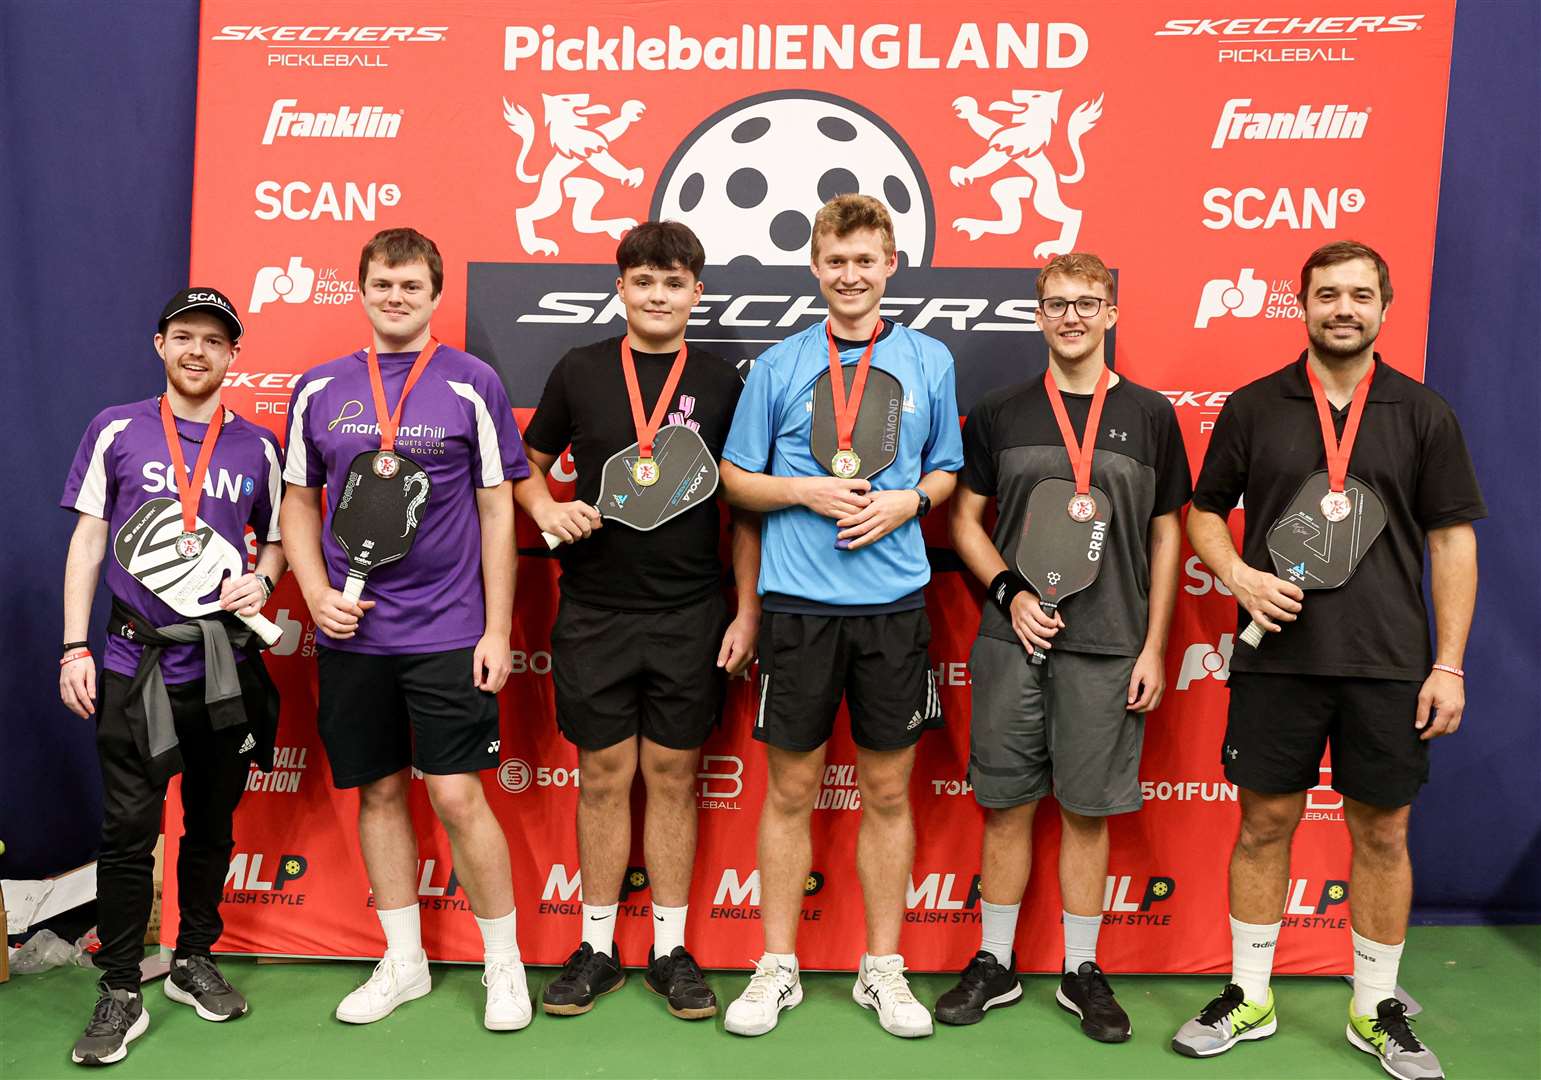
(573, 145)
(1022, 141)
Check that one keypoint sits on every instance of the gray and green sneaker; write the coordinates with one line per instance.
(1226, 1021)
(1389, 1036)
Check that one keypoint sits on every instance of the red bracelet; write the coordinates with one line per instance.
(1457, 672)
(78, 654)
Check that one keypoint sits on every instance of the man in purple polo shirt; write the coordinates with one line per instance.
(409, 675)
(173, 698)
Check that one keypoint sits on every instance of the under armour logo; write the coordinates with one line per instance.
(1114, 433)
(494, 745)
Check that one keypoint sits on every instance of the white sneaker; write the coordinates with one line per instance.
(771, 988)
(881, 985)
(508, 996)
(394, 981)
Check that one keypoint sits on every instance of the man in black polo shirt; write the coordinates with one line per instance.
(1076, 723)
(1353, 666)
(642, 637)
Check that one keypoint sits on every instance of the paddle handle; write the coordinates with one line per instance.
(1253, 635)
(353, 588)
(264, 627)
(1039, 656)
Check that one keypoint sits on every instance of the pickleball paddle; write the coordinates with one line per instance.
(146, 547)
(686, 477)
(1313, 552)
(377, 514)
(1058, 555)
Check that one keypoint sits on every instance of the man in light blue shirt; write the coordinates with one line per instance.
(842, 569)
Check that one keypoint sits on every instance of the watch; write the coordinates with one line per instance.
(925, 503)
(266, 583)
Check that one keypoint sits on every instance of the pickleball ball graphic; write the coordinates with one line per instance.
(749, 179)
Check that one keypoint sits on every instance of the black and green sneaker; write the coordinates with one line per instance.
(1389, 1036)
(1226, 1021)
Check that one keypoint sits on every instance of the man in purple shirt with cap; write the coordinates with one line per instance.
(177, 695)
(409, 674)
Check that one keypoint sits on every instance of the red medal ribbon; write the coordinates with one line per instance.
(647, 426)
(390, 421)
(190, 490)
(847, 408)
(1080, 451)
(1338, 452)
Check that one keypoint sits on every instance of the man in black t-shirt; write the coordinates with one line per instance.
(1353, 666)
(642, 640)
(1076, 722)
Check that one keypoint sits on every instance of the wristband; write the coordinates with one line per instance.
(1004, 589)
(83, 654)
(1457, 672)
(70, 646)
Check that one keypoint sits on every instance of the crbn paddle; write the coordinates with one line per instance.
(1312, 552)
(686, 477)
(376, 518)
(146, 547)
(1058, 555)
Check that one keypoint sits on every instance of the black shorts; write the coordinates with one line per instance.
(1280, 724)
(620, 674)
(878, 663)
(379, 714)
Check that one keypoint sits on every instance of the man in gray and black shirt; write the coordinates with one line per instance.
(1076, 723)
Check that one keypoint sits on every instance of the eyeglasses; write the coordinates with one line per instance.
(1085, 306)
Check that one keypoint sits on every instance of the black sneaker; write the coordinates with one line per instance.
(585, 976)
(984, 985)
(118, 1019)
(678, 978)
(198, 982)
(1087, 994)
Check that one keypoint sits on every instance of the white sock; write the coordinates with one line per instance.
(1252, 947)
(499, 941)
(668, 928)
(599, 927)
(1080, 939)
(403, 931)
(998, 929)
(784, 960)
(1375, 973)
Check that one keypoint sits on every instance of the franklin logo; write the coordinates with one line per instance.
(567, 128)
(1021, 141)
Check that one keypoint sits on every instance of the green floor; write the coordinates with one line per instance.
(1480, 987)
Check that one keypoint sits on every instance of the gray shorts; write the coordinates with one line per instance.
(1065, 720)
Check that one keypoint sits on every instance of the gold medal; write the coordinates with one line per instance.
(386, 465)
(1336, 505)
(1082, 508)
(645, 471)
(189, 545)
(845, 464)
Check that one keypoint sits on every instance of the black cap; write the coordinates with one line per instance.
(202, 298)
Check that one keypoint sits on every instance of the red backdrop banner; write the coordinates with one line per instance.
(1201, 151)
